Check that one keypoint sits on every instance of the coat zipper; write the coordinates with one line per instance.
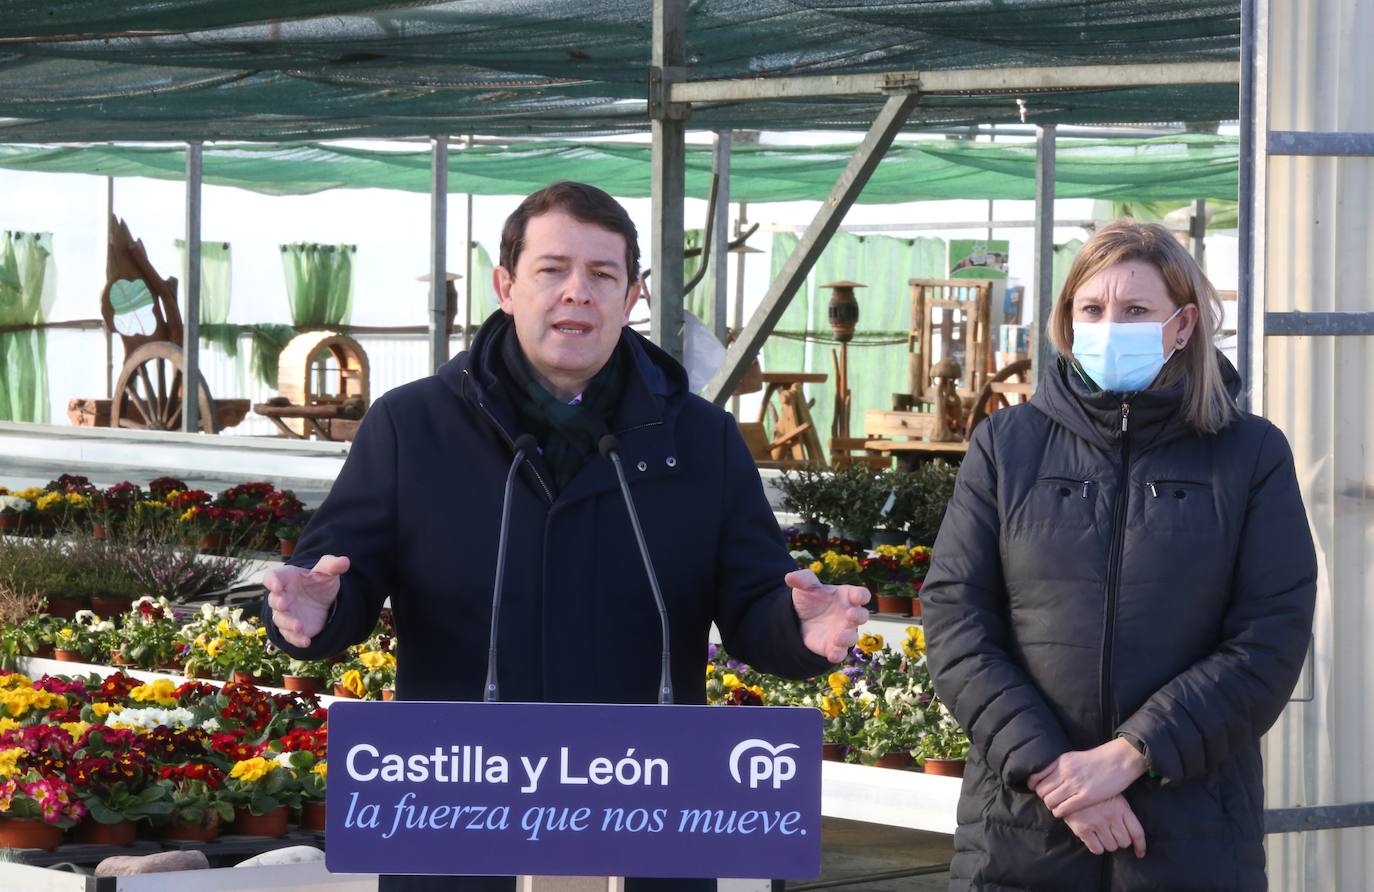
(1114, 573)
(548, 494)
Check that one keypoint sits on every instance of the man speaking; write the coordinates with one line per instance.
(555, 376)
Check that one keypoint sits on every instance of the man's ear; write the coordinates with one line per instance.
(502, 280)
(631, 298)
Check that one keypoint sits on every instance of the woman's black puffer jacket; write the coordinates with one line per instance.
(1102, 568)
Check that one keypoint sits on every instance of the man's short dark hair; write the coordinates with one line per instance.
(579, 201)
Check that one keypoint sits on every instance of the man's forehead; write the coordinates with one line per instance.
(559, 234)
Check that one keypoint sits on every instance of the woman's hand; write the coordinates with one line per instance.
(1079, 779)
(1108, 826)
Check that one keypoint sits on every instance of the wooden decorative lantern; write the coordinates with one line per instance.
(328, 370)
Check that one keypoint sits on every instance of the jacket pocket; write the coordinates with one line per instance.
(1060, 502)
(1185, 507)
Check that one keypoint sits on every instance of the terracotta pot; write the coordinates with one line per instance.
(341, 691)
(25, 833)
(288, 547)
(832, 752)
(65, 607)
(11, 523)
(249, 678)
(915, 606)
(312, 816)
(214, 543)
(185, 830)
(944, 767)
(304, 684)
(896, 604)
(44, 651)
(388, 694)
(92, 832)
(99, 530)
(62, 655)
(110, 607)
(271, 824)
(895, 760)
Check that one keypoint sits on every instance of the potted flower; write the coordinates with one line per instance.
(943, 747)
(147, 638)
(86, 638)
(894, 515)
(289, 529)
(110, 508)
(887, 574)
(30, 636)
(197, 809)
(118, 788)
(261, 790)
(13, 512)
(307, 676)
(368, 674)
(931, 490)
(252, 659)
(809, 493)
(37, 803)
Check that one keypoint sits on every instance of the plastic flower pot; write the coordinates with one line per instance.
(26, 833)
(11, 523)
(185, 830)
(273, 823)
(898, 604)
(915, 606)
(944, 767)
(64, 607)
(388, 694)
(312, 816)
(895, 760)
(345, 693)
(832, 752)
(288, 547)
(302, 683)
(63, 655)
(214, 543)
(99, 530)
(261, 681)
(109, 607)
(92, 832)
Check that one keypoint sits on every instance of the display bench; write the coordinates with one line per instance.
(285, 877)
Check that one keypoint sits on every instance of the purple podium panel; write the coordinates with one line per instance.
(553, 789)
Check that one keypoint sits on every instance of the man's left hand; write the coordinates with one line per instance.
(830, 614)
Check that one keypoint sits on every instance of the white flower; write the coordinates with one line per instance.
(14, 505)
(151, 717)
(210, 725)
(207, 611)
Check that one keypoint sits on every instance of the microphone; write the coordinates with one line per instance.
(610, 448)
(524, 445)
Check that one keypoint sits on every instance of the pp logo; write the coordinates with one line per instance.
(768, 765)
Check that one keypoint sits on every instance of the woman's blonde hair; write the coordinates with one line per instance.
(1207, 405)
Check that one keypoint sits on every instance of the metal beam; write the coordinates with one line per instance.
(798, 264)
(1197, 230)
(190, 379)
(1330, 324)
(1318, 817)
(962, 80)
(438, 253)
(720, 257)
(669, 172)
(471, 244)
(1042, 350)
(1334, 144)
(1250, 221)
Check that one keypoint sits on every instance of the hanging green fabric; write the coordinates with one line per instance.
(1225, 214)
(27, 291)
(215, 294)
(268, 342)
(319, 282)
(1063, 259)
(700, 301)
(803, 340)
(484, 301)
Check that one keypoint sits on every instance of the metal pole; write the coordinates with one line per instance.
(438, 251)
(1042, 354)
(669, 170)
(720, 303)
(190, 381)
(738, 321)
(794, 271)
(1253, 124)
(467, 268)
(1198, 230)
(109, 335)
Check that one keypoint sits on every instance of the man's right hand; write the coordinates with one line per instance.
(301, 599)
(1108, 826)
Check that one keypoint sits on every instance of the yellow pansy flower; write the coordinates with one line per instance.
(757, 689)
(838, 681)
(322, 769)
(252, 770)
(710, 669)
(9, 760)
(104, 709)
(731, 681)
(76, 729)
(915, 643)
(353, 683)
(870, 644)
(831, 706)
(376, 659)
(214, 646)
(816, 567)
(161, 691)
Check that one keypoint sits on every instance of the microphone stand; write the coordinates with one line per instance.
(524, 444)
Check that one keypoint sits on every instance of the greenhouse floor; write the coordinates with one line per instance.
(854, 850)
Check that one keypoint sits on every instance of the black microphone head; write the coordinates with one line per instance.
(526, 443)
(608, 444)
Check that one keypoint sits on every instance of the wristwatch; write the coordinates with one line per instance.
(1141, 748)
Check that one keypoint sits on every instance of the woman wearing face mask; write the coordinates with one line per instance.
(1120, 597)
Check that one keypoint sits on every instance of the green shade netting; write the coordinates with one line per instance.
(319, 283)
(27, 290)
(803, 340)
(1175, 168)
(217, 69)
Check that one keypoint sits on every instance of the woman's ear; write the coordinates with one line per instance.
(1187, 325)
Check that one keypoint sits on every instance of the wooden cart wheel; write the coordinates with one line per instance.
(1014, 378)
(148, 395)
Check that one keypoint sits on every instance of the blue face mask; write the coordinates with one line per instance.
(1121, 356)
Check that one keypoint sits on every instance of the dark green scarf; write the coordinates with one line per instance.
(567, 434)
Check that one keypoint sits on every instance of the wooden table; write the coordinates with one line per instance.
(325, 422)
(909, 452)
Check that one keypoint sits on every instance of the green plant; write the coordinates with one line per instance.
(86, 634)
(857, 501)
(932, 486)
(309, 668)
(942, 738)
(809, 493)
(147, 637)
